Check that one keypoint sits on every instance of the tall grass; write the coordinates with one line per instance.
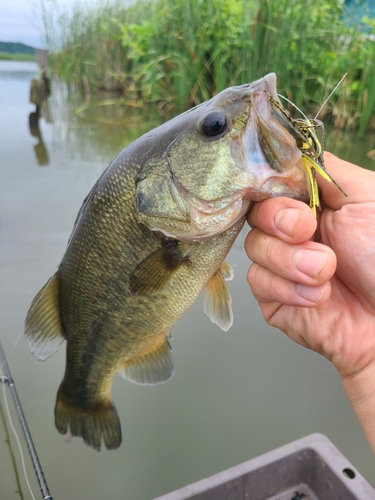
(180, 52)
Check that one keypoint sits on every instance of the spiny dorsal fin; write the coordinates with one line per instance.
(43, 329)
(217, 303)
(153, 367)
(156, 270)
(226, 271)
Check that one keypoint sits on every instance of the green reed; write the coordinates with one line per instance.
(181, 52)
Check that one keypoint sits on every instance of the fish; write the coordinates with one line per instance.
(154, 232)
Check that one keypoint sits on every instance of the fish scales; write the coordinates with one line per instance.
(151, 235)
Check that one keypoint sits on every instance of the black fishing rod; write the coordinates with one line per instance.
(34, 457)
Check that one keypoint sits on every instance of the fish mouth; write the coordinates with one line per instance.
(271, 82)
(272, 159)
(276, 187)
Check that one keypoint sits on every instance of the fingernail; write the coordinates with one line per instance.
(311, 293)
(286, 220)
(310, 262)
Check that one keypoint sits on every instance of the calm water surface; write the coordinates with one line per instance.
(234, 395)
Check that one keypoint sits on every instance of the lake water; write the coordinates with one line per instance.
(234, 395)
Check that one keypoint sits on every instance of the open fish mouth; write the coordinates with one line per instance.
(303, 130)
(273, 158)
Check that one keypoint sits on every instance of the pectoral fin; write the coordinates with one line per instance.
(154, 272)
(217, 302)
(43, 329)
(155, 366)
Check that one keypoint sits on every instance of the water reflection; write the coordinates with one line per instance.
(17, 71)
(101, 125)
(40, 149)
(40, 90)
(97, 127)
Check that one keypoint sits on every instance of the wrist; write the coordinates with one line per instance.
(360, 390)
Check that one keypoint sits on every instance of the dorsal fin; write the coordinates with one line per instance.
(217, 303)
(43, 329)
(156, 269)
(155, 366)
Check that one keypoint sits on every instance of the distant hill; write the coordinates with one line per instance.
(16, 48)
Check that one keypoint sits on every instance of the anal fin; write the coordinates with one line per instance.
(217, 303)
(154, 366)
(43, 329)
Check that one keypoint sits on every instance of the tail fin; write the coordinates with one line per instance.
(92, 424)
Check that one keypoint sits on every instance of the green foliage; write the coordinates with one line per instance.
(6, 56)
(180, 52)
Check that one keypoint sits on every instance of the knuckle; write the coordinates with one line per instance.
(258, 279)
(253, 275)
(250, 244)
(271, 250)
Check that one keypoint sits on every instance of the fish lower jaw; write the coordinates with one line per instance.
(276, 187)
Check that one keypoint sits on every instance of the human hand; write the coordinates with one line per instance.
(322, 293)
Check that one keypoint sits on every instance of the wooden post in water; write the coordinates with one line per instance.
(40, 87)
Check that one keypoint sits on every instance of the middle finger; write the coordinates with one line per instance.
(309, 263)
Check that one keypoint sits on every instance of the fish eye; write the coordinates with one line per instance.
(214, 123)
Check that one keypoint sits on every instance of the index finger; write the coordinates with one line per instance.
(358, 183)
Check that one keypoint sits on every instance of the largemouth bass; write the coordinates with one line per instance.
(151, 235)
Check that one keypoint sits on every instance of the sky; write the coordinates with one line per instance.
(20, 20)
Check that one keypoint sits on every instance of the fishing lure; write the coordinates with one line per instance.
(303, 131)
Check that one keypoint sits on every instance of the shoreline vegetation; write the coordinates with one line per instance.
(15, 51)
(6, 56)
(178, 53)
